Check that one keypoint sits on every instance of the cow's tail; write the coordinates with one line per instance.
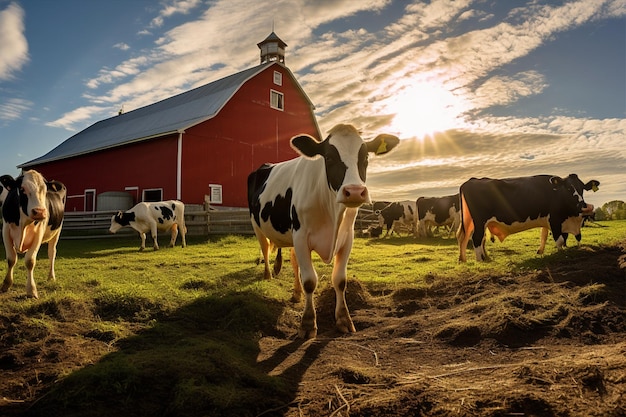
(278, 263)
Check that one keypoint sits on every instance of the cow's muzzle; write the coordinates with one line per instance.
(353, 195)
(38, 213)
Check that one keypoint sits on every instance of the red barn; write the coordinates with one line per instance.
(203, 142)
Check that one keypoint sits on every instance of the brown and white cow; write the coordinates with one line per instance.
(310, 203)
(507, 206)
(32, 214)
(151, 217)
(437, 211)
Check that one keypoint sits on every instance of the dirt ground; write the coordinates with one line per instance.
(546, 343)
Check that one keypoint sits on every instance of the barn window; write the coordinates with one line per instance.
(154, 194)
(277, 100)
(216, 193)
(278, 78)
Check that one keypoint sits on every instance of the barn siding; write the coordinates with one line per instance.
(149, 164)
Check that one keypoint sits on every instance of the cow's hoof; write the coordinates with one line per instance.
(345, 325)
(296, 297)
(307, 333)
(33, 295)
(5, 288)
(141, 249)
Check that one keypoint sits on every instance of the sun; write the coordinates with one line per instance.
(423, 108)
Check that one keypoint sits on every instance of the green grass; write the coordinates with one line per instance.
(182, 325)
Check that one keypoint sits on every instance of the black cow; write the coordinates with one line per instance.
(437, 211)
(32, 214)
(507, 206)
(392, 214)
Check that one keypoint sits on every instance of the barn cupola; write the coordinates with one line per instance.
(272, 49)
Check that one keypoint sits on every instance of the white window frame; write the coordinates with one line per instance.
(88, 192)
(277, 100)
(215, 193)
(278, 78)
(143, 193)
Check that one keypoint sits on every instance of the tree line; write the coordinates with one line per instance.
(613, 210)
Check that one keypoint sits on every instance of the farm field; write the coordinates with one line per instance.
(197, 332)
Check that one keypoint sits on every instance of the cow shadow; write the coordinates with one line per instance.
(204, 358)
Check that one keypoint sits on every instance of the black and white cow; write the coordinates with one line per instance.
(507, 206)
(310, 203)
(32, 214)
(396, 213)
(150, 217)
(437, 211)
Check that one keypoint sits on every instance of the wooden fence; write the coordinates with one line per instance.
(199, 222)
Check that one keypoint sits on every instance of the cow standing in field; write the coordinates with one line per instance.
(507, 206)
(32, 214)
(397, 213)
(150, 217)
(310, 203)
(437, 211)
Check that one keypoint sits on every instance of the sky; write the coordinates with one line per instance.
(474, 88)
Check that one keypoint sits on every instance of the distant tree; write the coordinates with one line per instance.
(599, 214)
(614, 210)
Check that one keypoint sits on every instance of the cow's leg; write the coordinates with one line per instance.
(183, 232)
(542, 240)
(174, 235)
(308, 275)
(340, 274)
(463, 236)
(11, 260)
(52, 254)
(142, 235)
(297, 284)
(153, 233)
(30, 260)
(265, 252)
(479, 238)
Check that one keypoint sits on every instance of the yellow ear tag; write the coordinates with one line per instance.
(594, 188)
(382, 148)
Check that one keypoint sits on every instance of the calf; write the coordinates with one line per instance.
(392, 214)
(507, 206)
(144, 217)
(32, 214)
(310, 203)
(437, 211)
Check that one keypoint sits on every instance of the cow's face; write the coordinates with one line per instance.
(570, 194)
(31, 188)
(345, 156)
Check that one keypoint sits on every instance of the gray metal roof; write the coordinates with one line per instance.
(168, 116)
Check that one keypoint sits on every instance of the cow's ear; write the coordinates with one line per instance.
(382, 144)
(7, 182)
(54, 186)
(306, 145)
(556, 181)
(592, 185)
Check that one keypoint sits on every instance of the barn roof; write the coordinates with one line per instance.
(172, 115)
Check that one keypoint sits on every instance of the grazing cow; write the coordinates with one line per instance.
(437, 211)
(32, 214)
(392, 214)
(310, 203)
(507, 206)
(150, 217)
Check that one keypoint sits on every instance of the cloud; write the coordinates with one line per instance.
(122, 46)
(14, 54)
(173, 7)
(13, 108)
(69, 120)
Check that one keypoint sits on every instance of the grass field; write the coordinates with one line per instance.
(127, 330)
